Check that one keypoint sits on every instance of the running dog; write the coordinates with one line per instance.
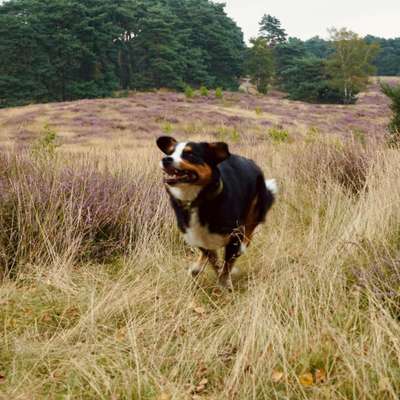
(219, 198)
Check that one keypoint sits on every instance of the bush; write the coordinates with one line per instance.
(258, 111)
(346, 163)
(189, 92)
(71, 208)
(278, 135)
(167, 128)
(47, 144)
(204, 91)
(393, 92)
(219, 94)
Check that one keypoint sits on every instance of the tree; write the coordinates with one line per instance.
(286, 55)
(56, 50)
(393, 92)
(271, 30)
(306, 79)
(259, 64)
(318, 47)
(388, 60)
(350, 64)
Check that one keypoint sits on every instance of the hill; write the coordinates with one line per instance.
(144, 115)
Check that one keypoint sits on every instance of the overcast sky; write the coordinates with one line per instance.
(307, 18)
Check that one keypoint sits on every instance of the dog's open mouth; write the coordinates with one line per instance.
(172, 176)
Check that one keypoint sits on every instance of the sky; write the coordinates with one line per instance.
(307, 18)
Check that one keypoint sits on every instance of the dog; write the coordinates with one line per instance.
(218, 198)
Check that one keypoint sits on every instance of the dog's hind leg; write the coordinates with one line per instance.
(205, 257)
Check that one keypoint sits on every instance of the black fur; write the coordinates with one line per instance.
(232, 202)
(242, 180)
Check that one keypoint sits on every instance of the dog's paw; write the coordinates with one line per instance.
(225, 282)
(194, 270)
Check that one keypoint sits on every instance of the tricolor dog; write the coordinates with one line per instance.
(219, 198)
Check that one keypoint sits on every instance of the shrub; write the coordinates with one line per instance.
(393, 92)
(258, 111)
(219, 94)
(278, 135)
(167, 127)
(71, 207)
(47, 144)
(204, 91)
(346, 163)
(313, 134)
(189, 92)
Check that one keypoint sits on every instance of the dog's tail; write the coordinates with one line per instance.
(272, 186)
(267, 191)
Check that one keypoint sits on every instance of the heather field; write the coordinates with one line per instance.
(95, 299)
(131, 121)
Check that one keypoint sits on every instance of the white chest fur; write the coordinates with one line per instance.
(185, 192)
(198, 235)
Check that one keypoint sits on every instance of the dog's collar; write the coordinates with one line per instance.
(208, 195)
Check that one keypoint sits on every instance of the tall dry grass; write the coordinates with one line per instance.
(314, 313)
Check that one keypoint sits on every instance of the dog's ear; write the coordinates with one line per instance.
(219, 151)
(166, 144)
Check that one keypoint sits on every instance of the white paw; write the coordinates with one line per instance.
(235, 271)
(194, 269)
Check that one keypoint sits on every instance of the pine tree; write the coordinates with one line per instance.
(271, 30)
(259, 64)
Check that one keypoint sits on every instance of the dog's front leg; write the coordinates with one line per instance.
(205, 257)
(232, 252)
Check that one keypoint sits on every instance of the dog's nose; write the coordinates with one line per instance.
(167, 161)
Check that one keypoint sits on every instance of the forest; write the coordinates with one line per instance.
(60, 50)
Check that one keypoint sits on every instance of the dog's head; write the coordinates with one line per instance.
(189, 162)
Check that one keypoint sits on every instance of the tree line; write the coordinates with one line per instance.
(317, 70)
(58, 50)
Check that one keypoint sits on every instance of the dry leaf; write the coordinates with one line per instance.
(276, 376)
(199, 310)
(306, 379)
(2, 379)
(200, 388)
(217, 292)
(203, 382)
(320, 376)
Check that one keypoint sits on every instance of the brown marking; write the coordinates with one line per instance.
(205, 257)
(171, 148)
(203, 171)
(251, 221)
(208, 256)
(166, 144)
(188, 149)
